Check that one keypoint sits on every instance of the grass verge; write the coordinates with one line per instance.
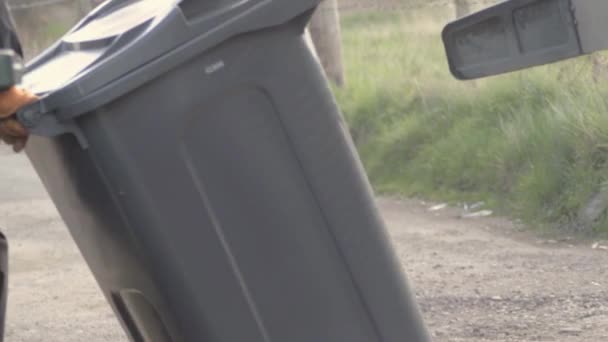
(533, 144)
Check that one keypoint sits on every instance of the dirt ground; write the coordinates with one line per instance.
(476, 279)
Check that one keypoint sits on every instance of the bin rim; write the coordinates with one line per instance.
(133, 58)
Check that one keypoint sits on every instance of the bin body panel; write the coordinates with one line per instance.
(224, 202)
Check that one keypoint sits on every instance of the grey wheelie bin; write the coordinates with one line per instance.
(198, 158)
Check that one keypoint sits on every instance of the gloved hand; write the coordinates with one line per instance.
(11, 131)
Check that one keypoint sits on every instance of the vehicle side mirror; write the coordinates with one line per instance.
(519, 34)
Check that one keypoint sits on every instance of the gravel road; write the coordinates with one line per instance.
(476, 279)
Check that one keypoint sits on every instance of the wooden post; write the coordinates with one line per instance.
(462, 7)
(326, 35)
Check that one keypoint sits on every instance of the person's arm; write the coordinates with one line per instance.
(11, 131)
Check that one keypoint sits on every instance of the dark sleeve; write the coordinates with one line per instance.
(8, 35)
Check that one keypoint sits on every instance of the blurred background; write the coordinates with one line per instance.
(532, 145)
(41, 22)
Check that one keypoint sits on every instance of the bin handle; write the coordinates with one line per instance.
(38, 121)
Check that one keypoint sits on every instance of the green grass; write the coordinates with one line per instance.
(533, 144)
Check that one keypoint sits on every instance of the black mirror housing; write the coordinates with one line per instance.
(519, 34)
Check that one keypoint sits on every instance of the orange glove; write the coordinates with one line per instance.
(11, 131)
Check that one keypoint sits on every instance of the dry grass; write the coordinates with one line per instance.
(533, 144)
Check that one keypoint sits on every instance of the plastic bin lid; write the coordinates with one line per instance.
(125, 43)
(82, 47)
